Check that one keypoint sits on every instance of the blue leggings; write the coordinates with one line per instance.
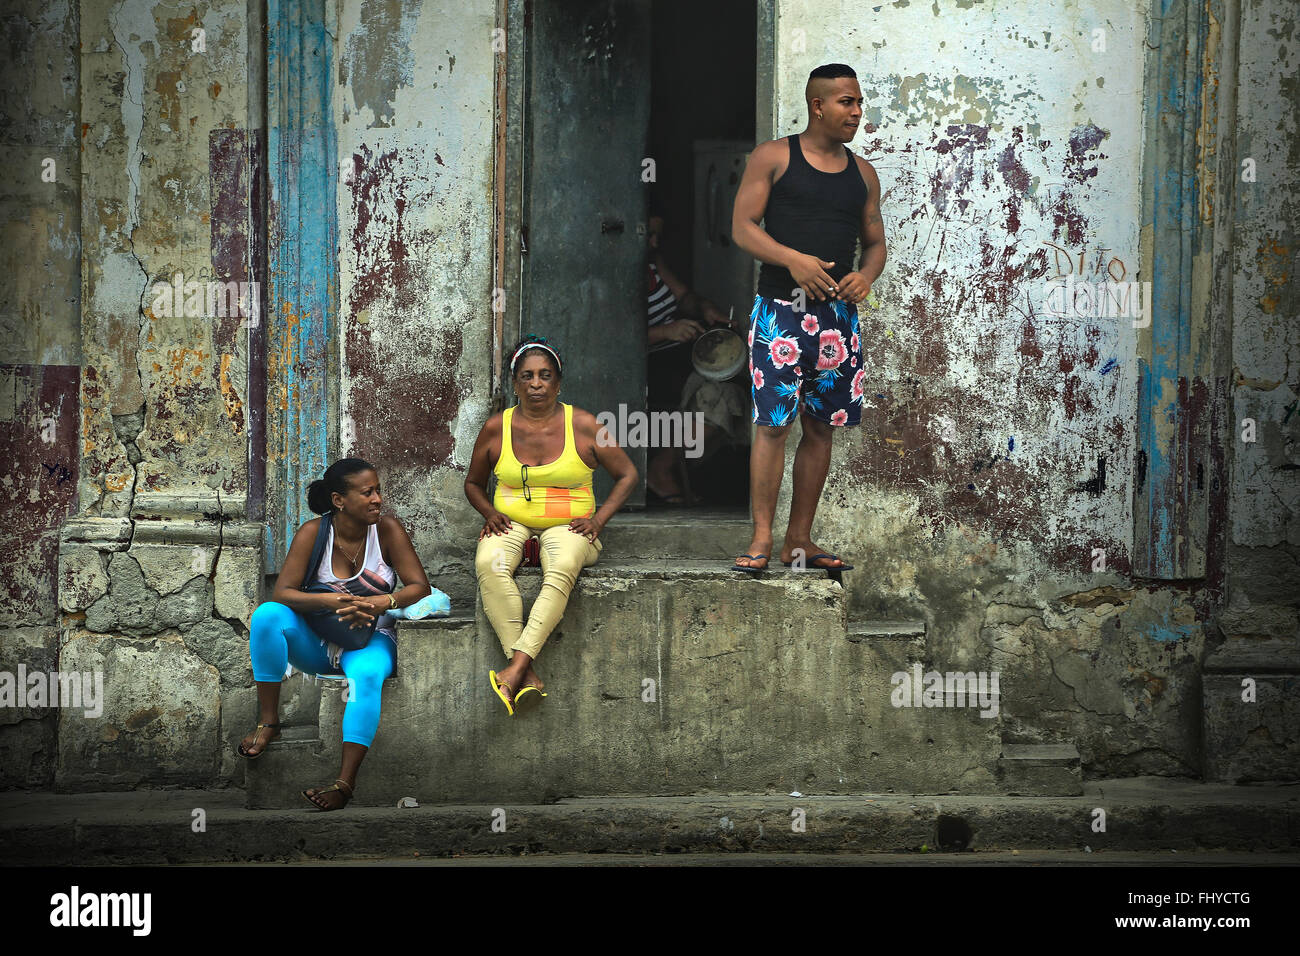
(280, 636)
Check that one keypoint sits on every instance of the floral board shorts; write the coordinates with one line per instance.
(813, 357)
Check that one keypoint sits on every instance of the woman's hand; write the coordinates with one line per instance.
(589, 528)
(497, 523)
(360, 611)
(713, 315)
(333, 601)
(682, 330)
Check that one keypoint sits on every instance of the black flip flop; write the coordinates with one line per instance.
(752, 557)
(810, 566)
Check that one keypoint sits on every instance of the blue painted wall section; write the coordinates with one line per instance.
(1177, 38)
(303, 266)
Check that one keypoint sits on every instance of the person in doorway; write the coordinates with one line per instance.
(365, 553)
(676, 317)
(543, 453)
(815, 200)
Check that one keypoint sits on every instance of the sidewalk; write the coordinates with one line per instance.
(1146, 815)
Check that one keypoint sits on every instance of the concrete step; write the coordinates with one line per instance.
(298, 755)
(665, 677)
(620, 565)
(1040, 770)
(678, 533)
(1150, 814)
(682, 540)
(1250, 712)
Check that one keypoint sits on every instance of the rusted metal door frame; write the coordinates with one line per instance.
(508, 242)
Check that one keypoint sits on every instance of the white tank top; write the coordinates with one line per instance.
(374, 562)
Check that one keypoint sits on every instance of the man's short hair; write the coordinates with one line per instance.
(832, 71)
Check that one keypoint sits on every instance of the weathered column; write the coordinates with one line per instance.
(159, 570)
(40, 344)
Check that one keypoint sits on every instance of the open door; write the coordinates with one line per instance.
(583, 205)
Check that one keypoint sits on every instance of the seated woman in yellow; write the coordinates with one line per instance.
(543, 453)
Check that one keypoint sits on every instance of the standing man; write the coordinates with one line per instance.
(818, 200)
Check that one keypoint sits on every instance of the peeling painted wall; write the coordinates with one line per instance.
(151, 583)
(40, 340)
(162, 194)
(998, 452)
(40, 239)
(40, 348)
(40, 325)
(414, 117)
(1261, 624)
(1008, 155)
(1266, 290)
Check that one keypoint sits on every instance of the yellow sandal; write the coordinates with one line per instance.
(496, 689)
(525, 689)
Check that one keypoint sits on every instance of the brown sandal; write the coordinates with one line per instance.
(330, 789)
(251, 756)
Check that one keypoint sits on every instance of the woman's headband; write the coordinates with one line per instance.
(535, 345)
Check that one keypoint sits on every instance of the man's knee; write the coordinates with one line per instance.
(773, 432)
(815, 429)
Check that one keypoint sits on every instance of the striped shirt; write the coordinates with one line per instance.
(660, 306)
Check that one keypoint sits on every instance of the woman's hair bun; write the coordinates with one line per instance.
(335, 480)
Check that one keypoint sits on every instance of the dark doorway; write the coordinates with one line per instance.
(603, 86)
(587, 111)
(702, 126)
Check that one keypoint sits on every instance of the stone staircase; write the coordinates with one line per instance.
(669, 675)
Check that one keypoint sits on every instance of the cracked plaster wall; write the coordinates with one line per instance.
(158, 120)
(156, 575)
(1261, 624)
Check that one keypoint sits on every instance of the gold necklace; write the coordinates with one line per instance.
(352, 561)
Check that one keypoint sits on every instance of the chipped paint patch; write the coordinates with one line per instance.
(377, 57)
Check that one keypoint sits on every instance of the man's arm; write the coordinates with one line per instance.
(855, 286)
(751, 203)
(873, 227)
(750, 207)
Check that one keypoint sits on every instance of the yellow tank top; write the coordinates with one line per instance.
(560, 491)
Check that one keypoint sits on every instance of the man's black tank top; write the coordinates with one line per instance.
(813, 212)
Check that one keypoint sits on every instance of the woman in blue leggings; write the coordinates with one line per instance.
(365, 553)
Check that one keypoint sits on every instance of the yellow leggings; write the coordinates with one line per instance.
(563, 554)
